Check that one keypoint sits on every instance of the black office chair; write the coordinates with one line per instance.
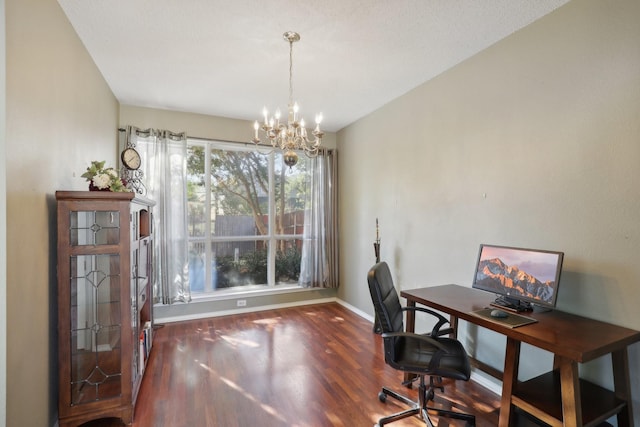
(429, 355)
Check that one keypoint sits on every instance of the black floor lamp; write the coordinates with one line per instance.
(376, 243)
(376, 251)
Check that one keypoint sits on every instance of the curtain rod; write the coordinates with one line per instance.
(146, 132)
(251, 144)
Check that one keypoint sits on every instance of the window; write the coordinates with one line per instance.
(246, 213)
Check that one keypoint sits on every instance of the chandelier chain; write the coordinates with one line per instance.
(290, 72)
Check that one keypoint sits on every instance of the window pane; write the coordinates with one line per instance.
(239, 192)
(288, 261)
(197, 272)
(196, 191)
(239, 263)
(290, 193)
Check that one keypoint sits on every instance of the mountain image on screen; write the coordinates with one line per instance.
(495, 274)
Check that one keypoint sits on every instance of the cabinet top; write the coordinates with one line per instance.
(102, 195)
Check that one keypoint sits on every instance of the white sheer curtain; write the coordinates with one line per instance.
(319, 262)
(164, 166)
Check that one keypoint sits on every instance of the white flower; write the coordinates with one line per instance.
(102, 180)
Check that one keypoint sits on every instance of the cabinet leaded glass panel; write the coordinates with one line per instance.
(94, 228)
(95, 327)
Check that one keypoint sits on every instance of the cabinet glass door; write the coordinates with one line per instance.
(135, 337)
(95, 305)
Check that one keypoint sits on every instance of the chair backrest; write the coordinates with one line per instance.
(385, 299)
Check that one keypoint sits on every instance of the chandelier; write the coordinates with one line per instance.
(293, 135)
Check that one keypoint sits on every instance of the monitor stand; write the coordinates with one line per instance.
(512, 304)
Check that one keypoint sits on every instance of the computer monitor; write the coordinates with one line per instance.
(519, 277)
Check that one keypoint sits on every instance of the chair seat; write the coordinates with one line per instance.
(416, 356)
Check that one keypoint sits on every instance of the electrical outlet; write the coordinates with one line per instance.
(241, 302)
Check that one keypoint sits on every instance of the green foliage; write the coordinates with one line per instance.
(288, 264)
(195, 164)
(241, 181)
(94, 169)
(251, 268)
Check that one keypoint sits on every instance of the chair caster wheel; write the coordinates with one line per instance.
(382, 397)
(430, 396)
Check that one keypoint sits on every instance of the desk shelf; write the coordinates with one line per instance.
(541, 397)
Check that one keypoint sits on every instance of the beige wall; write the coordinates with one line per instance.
(3, 227)
(534, 142)
(60, 116)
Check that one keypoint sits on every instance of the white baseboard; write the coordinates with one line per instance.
(205, 315)
(486, 381)
(355, 310)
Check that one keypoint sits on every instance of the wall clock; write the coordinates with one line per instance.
(130, 158)
(130, 171)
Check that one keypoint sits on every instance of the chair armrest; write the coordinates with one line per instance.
(435, 332)
(425, 338)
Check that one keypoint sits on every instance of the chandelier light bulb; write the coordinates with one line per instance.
(293, 135)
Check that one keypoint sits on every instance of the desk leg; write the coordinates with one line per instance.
(570, 389)
(453, 321)
(411, 317)
(622, 385)
(509, 379)
(410, 327)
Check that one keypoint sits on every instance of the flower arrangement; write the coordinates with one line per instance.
(105, 179)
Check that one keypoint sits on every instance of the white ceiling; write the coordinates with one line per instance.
(228, 58)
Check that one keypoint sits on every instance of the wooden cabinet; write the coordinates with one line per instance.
(105, 315)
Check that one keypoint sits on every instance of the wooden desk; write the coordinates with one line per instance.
(560, 397)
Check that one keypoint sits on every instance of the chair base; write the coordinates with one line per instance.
(420, 408)
(413, 410)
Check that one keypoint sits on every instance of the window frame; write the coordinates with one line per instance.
(271, 239)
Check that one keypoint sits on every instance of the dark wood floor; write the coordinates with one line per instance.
(309, 366)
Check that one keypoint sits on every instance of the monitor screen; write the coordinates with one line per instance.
(519, 276)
